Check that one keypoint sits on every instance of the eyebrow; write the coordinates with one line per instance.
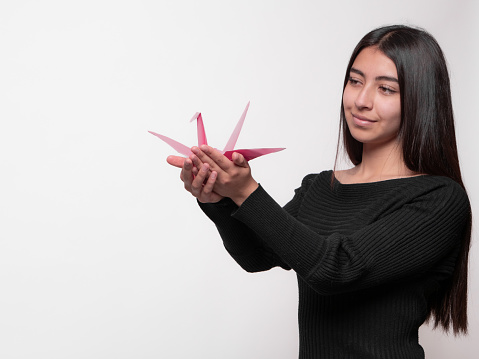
(379, 78)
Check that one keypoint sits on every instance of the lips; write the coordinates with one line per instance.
(362, 121)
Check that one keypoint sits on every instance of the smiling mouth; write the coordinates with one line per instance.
(362, 121)
(361, 118)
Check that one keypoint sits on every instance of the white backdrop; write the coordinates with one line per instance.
(102, 252)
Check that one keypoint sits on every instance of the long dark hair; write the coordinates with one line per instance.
(427, 135)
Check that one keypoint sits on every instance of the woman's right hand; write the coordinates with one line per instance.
(197, 178)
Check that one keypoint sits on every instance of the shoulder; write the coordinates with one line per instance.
(428, 191)
(316, 178)
(439, 186)
(313, 180)
(322, 176)
(438, 197)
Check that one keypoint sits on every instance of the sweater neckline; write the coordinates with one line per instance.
(374, 183)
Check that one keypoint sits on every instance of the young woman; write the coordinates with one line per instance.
(379, 248)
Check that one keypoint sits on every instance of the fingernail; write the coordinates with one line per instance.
(195, 150)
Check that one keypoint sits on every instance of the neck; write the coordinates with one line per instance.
(381, 162)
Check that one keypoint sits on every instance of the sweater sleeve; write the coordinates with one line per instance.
(408, 242)
(242, 243)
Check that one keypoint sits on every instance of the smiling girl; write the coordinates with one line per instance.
(379, 248)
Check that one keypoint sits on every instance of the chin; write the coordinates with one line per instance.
(362, 137)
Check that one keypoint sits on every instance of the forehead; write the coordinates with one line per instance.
(373, 62)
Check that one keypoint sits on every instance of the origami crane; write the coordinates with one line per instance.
(228, 151)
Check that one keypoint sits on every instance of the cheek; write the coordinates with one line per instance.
(391, 112)
(347, 98)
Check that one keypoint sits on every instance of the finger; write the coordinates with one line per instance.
(197, 183)
(239, 160)
(208, 154)
(203, 158)
(196, 161)
(196, 164)
(175, 161)
(194, 172)
(210, 183)
(186, 174)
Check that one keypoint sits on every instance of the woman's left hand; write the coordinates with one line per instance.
(234, 177)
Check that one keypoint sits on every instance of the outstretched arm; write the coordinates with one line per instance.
(240, 241)
(419, 235)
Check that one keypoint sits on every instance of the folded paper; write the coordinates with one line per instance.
(228, 151)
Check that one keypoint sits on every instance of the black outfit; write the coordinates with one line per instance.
(369, 257)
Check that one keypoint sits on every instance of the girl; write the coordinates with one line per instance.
(379, 248)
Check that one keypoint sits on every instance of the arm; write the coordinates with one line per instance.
(405, 243)
(394, 245)
(246, 248)
(241, 242)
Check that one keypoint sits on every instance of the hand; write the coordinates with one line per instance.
(234, 177)
(178, 161)
(196, 178)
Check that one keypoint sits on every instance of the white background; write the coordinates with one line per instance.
(102, 252)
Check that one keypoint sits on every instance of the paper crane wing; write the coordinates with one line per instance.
(179, 147)
(250, 154)
(228, 151)
(230, 145)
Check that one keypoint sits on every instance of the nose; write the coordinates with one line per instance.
(364, 98)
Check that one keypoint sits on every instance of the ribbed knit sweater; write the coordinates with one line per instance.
(369, 257)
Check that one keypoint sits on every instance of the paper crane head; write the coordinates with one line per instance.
(228, 151)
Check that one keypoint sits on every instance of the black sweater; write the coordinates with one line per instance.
(369, 257)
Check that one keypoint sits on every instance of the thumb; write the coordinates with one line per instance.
(239, 160)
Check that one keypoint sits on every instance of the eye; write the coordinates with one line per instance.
(353, 81)
(387, 90)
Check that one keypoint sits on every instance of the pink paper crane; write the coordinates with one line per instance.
(228, 151)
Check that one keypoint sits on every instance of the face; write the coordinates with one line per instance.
(371, 99)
